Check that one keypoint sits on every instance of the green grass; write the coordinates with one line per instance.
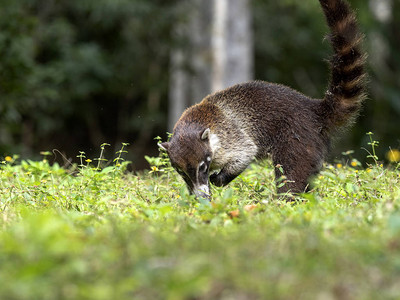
(86, 233)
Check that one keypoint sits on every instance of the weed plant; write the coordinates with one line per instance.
(95, 231)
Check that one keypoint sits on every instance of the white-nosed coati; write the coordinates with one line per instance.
(227, 130)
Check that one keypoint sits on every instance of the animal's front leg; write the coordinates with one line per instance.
(229, 172)
(233, 161)
(222, 178)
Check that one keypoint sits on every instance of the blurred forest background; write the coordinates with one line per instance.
(76, 74)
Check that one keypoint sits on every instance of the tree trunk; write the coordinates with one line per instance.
(231, 43)
(217, 52)
(190, 79)
(382, 9)
(177, 88)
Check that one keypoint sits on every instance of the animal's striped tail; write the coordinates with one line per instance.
(347, 86)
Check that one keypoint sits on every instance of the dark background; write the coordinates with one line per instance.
(76, 74)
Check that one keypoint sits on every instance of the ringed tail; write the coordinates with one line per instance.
(347, 85)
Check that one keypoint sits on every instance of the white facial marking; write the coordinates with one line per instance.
(203, 188)
(202, 191)
(202, 167)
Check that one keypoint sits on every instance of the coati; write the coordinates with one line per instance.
(227, 130)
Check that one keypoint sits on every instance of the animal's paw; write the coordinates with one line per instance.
(217, 179)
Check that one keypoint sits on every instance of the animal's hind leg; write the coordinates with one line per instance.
(292, 181)
(297, 172)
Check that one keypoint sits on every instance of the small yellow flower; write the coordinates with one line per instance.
(339, 166)
(393, 155)
(88, 160)
(154, 169)
(369, 170)
(8, 159)
(354, 163)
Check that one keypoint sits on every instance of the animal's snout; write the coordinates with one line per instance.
(202, 191)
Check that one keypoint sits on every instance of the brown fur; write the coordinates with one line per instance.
(257, 119)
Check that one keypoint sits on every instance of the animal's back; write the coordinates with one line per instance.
(272, 114)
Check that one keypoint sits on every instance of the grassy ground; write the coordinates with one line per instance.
(82, 233)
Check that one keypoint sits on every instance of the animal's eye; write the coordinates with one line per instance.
(202, 167)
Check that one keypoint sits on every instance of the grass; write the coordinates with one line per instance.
(96, 232)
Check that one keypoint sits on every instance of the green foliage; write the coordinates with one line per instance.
(97, 68)
(94, 231)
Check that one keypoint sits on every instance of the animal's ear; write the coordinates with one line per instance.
(206, 134)
(163, 146)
